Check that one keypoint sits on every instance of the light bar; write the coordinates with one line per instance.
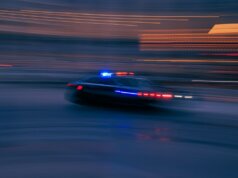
(106, 74)
(125, 73)
(110, 74)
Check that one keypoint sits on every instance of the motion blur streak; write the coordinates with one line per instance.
(45, 22)
(224, 54)
(6, 65)
(122, 15)
(224, 29)
(188, 61)
(215, 81)
(62, 16)
(185, 50)
(188, 41)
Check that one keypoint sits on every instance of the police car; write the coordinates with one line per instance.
(117, 88)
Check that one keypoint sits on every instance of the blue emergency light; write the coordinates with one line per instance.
(106, 74)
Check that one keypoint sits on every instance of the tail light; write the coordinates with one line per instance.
(155, 95)
(80, 87)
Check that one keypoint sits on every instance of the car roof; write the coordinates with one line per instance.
(115, 77)
(120, 80)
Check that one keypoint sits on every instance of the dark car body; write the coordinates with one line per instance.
(126, 90)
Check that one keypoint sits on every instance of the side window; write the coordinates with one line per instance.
(104, 81)
(132, 82)
(107, 81)
(127, 82)
(93, 80)
(145, 83)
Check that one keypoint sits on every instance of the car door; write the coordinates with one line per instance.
(99, 88)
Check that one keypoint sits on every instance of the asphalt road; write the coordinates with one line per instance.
(42, 135)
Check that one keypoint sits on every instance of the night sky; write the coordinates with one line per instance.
(221, 7)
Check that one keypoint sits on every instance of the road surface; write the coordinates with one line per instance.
(42, 135)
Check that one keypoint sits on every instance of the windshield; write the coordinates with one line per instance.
(133, 82)
(99, 80)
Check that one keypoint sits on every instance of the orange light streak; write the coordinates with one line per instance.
(187, 61)
(224, 29)
(6, 65)
(127, 15)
